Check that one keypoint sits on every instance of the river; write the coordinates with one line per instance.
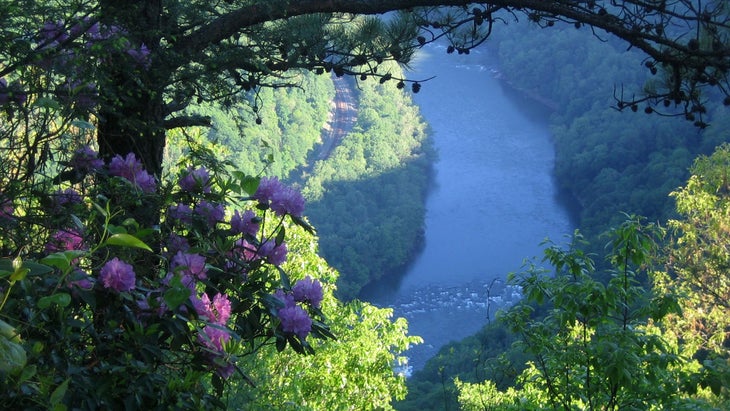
(493, 202)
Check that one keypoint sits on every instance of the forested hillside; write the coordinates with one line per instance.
(275, 138)
(609, 161)
(367, 199)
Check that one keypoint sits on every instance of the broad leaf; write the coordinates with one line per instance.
(126, 240)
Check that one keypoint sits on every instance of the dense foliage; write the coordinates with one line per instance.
(279, 136)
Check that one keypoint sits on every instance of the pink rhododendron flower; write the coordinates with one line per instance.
(287, 201)
(117, 275)
(286, 298)
(214, 337)
(210, 212)
(80, 279)
(181, 212)
(176, 243)
(217, 311)
(85, 159)
(65, 240)
(282, 199)
(274, 254)
(140, 55)
(64, 198)
(295, 320)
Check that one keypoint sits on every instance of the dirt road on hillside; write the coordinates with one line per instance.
(342, 117)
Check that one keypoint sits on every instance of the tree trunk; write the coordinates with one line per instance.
(131, 118)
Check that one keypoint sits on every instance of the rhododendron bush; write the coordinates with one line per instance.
(99, 311)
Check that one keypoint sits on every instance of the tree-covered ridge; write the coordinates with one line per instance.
(609, 161)
(276, 138)
(368, 197)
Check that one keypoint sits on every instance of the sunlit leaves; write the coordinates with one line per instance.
(594, 347)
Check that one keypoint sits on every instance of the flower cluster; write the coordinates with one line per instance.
(209, 212)
(215, 335)
(55, 35)
(62, 45)
(65, 240)
(65, 198)
(195, 180)
(131, 169)
(117, 275)
(294, 318)
(220, 257)
(308, 290)
(280, 198)
(197, 210)
(86, 160)
(247, 223)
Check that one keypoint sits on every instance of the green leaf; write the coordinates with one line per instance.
(249, 184)
(113, 229)
(44, 102)
(280, 236)
(101, 209)
(176, 294)
(58, 393)
(285, 281)
(60, 299)
(62, 260)
(19, 275)
(301, 223)
(12, 356)
(6, 267)
(126, 240)
(27, 373)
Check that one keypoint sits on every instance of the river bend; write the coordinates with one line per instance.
(493, 202)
